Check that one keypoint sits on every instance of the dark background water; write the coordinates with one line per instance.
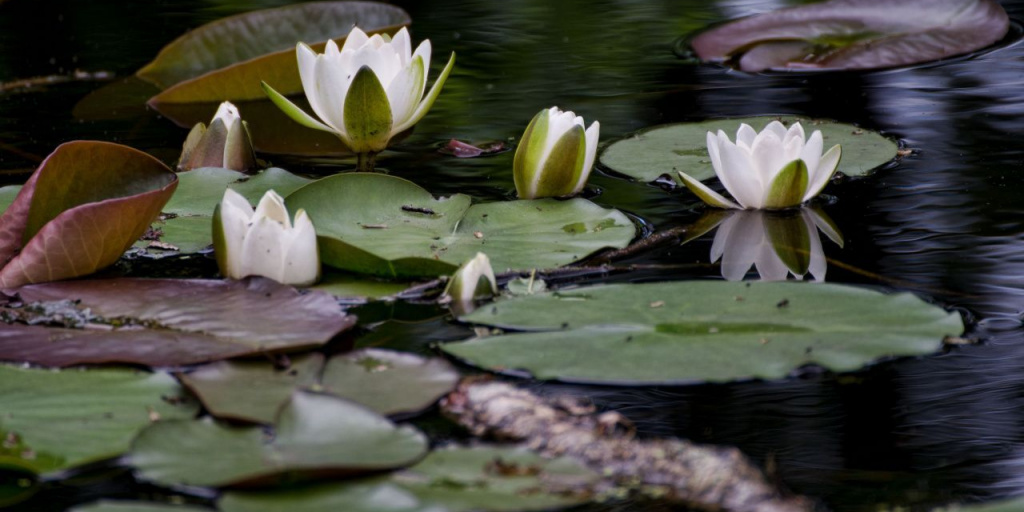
(945, 222)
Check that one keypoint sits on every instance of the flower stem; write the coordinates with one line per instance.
(365, 162)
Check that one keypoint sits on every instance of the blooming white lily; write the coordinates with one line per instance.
(264, 242)
(366, 92)
(225, 143)
(555, 155)
(775, 244)
(773, 169)
(473, 280)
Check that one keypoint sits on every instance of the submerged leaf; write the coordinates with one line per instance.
(313, 435)
(54, 420)
(168, 322)
(702, 331)
(856, 34)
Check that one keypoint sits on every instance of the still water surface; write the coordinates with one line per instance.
(946, 222)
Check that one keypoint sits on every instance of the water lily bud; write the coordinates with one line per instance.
(265, 241)
(368, 91)
(225, 143)
(555, 155)
(473, 280)
(774, 169)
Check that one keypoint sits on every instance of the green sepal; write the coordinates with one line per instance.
(428, 101)
(293, 111)
(195, 136)
(788, 187)
(790, 240)
(238, 153)
(527, 159)
(563, 166)
(220, 251)
(710, 197)
(367, 113)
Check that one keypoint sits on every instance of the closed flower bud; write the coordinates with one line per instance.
(473, 280)
(555, 155)
(225, 143)
(264, 242)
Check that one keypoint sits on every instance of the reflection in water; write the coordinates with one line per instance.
(776, 244)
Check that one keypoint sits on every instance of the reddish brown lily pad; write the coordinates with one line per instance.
(82, 208)
(163, 322)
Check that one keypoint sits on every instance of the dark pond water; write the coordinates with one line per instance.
(947, 222)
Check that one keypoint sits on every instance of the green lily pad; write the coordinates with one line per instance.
(665, 150)
(7, 195)
(187, 226)
(54, 420)
(388, 382)
(855, 34)
(483, 478)
(343, 284)
(162, 322)
(314, 435)
(700, 331)
(227, 59)
(387, 226)
(135, 506)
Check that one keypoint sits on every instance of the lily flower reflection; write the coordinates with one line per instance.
(777, 244)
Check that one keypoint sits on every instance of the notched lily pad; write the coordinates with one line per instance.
(83, 207)
(667, 149)
(455, 479)
(54, 420)
(699, 331)
(387, 226)
(162, 322)
(855, 34)
(313, 435)
(392, 383)
(227, 59)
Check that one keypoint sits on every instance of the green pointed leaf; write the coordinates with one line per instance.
(389, 382)
(668, 149)
(293, 111)
(526, 163)
(313, 435)
(788, 187)
(700, 331)
(453, 479)
(367, 113)
(564, 165)
(710, 197)
(54, 420)
(227, 59)
(386, 226)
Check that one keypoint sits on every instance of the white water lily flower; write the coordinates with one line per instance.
(366, 92)
(773, 169)
(225, 143)
(473, 280)
(776, 245)
(264, 241)
(555, 155)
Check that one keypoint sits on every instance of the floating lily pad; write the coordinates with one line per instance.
(665, 150)
(54, 420)
(393, 383)
(163, 322)
(448, 480)
(135, 506)
(702, 331)
(84, 206)
(343, 284)
(313, 435)
(187, 226)
(855, 34)
(227, 59)
(387, 226)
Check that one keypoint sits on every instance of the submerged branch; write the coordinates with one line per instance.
(700, 476)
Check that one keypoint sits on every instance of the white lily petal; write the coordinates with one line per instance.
(746, 134)
(302, 259)
(331, 86)
(796, 131)
(776, 128)
(306, 58)
(769, 158)
(791, 149)
(591, 136)
(423, 50)
(402, 45)
(235, 215)
(713, 151)
(811, 153)
(272, 207)
(827, 167)
(262, 250)
(738, 177)
(558, 123)
(228, 113)
(356, 39)
(405, 91)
